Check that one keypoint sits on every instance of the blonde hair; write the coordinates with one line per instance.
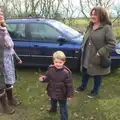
(59, 55)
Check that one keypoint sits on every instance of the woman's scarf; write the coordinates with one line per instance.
(8, 41)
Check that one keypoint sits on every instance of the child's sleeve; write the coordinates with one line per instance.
(69, 85)
(47, 74)
(46, 79)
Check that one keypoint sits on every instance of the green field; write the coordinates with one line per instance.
(80, 25)
(106, 106)
(85, 21)
(77, 21)
(117, 32)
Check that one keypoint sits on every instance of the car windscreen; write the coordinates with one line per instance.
(66, 29)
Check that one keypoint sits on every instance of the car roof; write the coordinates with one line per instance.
(29, 20)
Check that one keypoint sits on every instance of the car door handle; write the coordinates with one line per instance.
(36, 45)
(76, 51)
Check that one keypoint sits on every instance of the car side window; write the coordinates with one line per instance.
(43, 32)
(16, 31)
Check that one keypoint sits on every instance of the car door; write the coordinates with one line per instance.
(22, 45)
(44, 42)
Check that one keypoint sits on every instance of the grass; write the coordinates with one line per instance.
(117, 31)
(35, 102)
(83, 21)
(77, 21)
(80, 25)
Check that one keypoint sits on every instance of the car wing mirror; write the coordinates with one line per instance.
(82, 33)
(61, 39)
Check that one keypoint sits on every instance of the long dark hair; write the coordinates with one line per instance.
(102, 14)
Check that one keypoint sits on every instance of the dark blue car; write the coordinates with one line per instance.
(37, 39)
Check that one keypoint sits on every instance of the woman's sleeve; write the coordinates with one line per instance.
(46, 77)
(15, 55)
(110, 41)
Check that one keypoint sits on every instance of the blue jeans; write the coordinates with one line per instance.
(85, 78)
(63, 108)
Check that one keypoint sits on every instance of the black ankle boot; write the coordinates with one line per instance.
(4, 102)
(11, 99)
(52, 110)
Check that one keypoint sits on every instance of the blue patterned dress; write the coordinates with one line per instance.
(8, 63)
(9, 69)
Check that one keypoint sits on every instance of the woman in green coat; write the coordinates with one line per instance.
(98, 42)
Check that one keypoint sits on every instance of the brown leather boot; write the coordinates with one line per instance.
(4, 102)
(11, 99)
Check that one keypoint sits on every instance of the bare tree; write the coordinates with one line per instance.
(4, 4)
(86, 5)
(17, 8)
(48, 8)
(44, 8)
(69, 11)
(116, 9)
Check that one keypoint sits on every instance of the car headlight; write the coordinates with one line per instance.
(117, 51)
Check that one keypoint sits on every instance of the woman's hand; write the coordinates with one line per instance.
(2, 21)
(20, 62)
(97, 54)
